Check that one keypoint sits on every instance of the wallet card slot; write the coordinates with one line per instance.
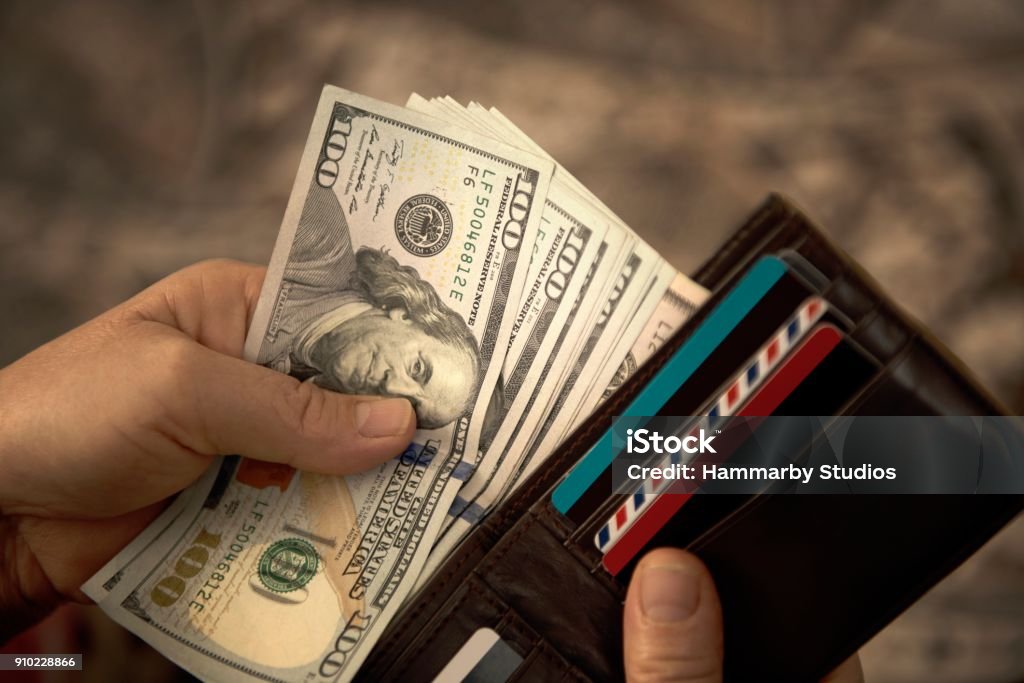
(585, 534)
(580, 541)
(704, 515)
(835, 379)
(471, 607)
(916, 383)
(545, 665)
(562, 599)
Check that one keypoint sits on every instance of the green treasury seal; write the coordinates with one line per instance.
(288, 564)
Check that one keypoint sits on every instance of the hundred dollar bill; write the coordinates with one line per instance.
(657, 295)
(626, 287)
(400, 263)
(467, 513)
(630, 288)
(682, 298)
(586, 397)
(559, 418)
(113, 572)
(581, 364)
(571, 247)
(678, 302)
(567, 246)
(498, 122)
(472, 503)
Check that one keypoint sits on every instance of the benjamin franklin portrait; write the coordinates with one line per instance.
(359, 322)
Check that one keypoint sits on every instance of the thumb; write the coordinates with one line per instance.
(673, 621)
(244, 408)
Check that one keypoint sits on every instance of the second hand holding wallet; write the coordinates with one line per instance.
(804, 580)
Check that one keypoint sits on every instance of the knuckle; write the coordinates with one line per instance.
(663, 665)
(167, 385)
(174, 359)
(215, 264)
(218, 273)
(207, 269)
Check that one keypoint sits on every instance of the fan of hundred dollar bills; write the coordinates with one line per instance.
(433, 252)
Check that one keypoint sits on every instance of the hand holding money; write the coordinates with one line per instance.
(60, 539)
(103, 424)
(433, 253)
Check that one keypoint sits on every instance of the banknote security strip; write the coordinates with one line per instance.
(737, 391)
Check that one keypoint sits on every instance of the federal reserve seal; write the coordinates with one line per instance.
(423, 225)
(288, 564)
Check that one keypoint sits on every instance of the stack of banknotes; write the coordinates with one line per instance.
(434, 252)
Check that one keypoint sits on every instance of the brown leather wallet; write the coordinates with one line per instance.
(804, 580)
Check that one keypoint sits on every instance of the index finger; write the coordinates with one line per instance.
(213, 302)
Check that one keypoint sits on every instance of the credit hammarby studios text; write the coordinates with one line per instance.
(644, 442)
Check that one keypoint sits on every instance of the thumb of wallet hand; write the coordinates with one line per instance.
(673, 624)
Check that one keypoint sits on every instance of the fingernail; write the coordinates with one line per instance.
(386, 417)
(668, 593)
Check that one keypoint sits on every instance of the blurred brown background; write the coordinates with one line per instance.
(138, 138)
